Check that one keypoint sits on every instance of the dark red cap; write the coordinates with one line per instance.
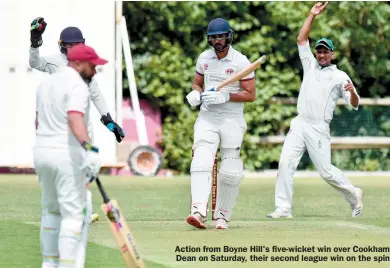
(82, 52)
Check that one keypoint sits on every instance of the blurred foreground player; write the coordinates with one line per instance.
(69, 37)
(65, 159)
(220, 123)
(323, 84)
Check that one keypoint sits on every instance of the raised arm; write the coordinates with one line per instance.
(37, 62)
(305, 30)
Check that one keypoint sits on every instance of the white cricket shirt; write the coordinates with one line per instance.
(321, 88)
(58, 94)
(216, 71)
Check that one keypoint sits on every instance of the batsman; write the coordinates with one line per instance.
(323, 84)
(69, 37)
(220, 123)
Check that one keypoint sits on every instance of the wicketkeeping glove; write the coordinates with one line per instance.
(37, 28)
(113, 127)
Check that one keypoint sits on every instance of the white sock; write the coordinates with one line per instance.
(200, 192)
(69, 240)
(50, 226)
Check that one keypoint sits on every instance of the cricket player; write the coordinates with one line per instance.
(69, 37)
(220, 123)
(65, 159)
(323, 84)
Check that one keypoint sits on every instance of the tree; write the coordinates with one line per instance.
(167, 37)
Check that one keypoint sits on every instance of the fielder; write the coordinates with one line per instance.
(323, 84)
(65, 159)
(69, 37)
(220, 122)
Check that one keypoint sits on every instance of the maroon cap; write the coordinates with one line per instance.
(82, 52)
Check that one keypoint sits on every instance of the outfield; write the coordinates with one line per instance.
(156, 209)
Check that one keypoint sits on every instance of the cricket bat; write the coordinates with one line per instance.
(120, 229)
(244, 72)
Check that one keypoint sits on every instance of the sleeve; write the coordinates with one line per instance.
(98, 98)
(306, 56)
(199, 67)
(244, 62)
(346, 95)
(41, 63)
(77, 99)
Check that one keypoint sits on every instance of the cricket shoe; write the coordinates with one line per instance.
(278, 214)
(95, 217)
(221, 224)
(357, 209)
(197, 221)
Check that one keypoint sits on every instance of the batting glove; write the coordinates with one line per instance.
(193, 98)
(113, 127)
(38, 27)
(91, 163)
(215, 97)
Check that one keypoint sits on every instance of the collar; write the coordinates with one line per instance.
(331, 67)
(229, 55)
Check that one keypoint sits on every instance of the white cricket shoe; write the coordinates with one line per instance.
(278, 214)
(197, 220)
(357, 209)
(221, 224)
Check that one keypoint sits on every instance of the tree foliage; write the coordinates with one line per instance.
(167, 37)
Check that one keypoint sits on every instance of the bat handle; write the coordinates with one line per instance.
(106, 200)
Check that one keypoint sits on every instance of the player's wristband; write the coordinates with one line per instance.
(89, 147)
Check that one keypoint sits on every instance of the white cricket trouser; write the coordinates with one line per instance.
(64, 201)
(315, 138)
(210, 131)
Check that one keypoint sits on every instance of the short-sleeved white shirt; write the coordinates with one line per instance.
(321, 87)
(216, 71)
(58, 94)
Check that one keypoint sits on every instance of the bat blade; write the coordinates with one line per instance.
(122, 234)
(244, 72)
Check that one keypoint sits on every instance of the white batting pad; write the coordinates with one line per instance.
(69, 240)
(229, 179)
(201, 168)
(50, 228)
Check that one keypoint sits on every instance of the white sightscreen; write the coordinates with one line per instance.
(96, 19)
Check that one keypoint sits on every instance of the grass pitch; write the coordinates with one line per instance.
(156, 209)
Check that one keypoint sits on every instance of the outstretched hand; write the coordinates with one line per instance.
(318, 8)
(348, 86)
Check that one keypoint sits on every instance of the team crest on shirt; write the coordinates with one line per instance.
(229, 71)
(205, 66)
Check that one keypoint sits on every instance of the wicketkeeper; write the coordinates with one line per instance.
(220, 123)
(323, 84)
(65, 159)
(69, 37)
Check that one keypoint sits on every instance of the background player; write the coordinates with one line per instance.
(220, 122)
(65, 159)
(323, 84)
(69, 37)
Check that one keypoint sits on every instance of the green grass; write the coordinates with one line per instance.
(156, 209)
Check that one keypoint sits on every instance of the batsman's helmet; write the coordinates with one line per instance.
(70, 35)
(220, 26)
